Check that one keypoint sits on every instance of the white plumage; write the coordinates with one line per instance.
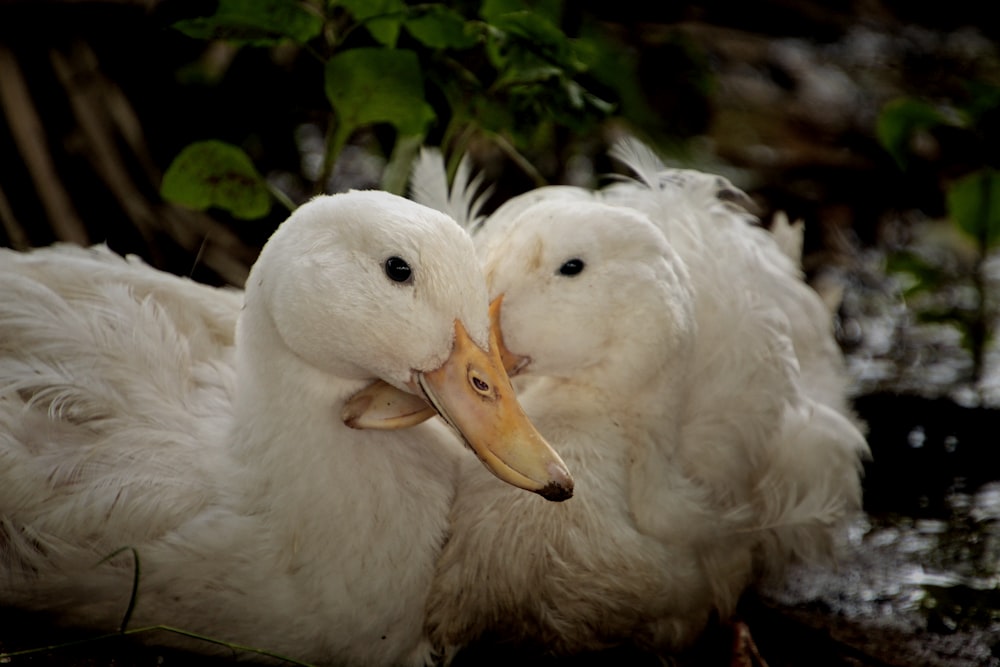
(690, 379)
(141, 410)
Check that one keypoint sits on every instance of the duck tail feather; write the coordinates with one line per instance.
(640, 158)
(463, 200)
(464, 195)
(429, 180)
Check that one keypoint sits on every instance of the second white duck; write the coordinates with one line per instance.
(657, 358)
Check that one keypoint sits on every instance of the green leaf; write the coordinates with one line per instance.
(214, 173)
(551, 10)
(398, 169)
(984, 101)
(925, 276)
(256, 22)
(496, 118)
(686, 74)
(541, 74)
(530, 38)
(382, 18)
(442, 28)
(370, 85)
(900, 120)
(974, 206)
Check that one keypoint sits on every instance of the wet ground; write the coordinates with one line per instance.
(921, 585)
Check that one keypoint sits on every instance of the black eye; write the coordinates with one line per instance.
(397, 269)
(571, 267)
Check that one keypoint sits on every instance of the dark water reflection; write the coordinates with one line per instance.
(922, 583)
(918, 588)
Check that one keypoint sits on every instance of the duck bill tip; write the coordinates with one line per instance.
(473, 394)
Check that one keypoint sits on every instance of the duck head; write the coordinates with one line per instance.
(579, 287)
(583, 288)
(366, 285)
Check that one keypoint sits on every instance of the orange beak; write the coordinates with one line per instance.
(512, 363)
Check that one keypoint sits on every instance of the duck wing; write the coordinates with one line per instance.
(115, 399)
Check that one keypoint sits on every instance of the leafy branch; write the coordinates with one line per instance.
(498, 71)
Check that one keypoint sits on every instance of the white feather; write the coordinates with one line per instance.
(463, 200)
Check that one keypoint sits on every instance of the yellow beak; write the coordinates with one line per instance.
(472, 393)
(512, 363)
(382, 407)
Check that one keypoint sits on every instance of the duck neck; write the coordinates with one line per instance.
(287, 425)
(646, 381)
(331, 506)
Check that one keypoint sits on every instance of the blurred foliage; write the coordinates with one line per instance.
(902, 122)
(255, 22)
(974, 205)
(911, 130)
(213, 173)
(504, 71)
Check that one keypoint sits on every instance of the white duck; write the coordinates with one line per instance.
(601, 307)
(662, 365)
(131, 415)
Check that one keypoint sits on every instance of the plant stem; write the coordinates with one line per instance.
(979, 328)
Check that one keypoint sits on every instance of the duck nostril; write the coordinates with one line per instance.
(481, 386)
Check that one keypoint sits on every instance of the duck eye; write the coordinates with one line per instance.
(397, 269)
(571, 267)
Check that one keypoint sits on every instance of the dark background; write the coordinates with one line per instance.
(97, 97)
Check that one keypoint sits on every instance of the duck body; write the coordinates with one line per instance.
(198, 431)
(562, 595)
(669, 378)
(762, 329)
(706, 216)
